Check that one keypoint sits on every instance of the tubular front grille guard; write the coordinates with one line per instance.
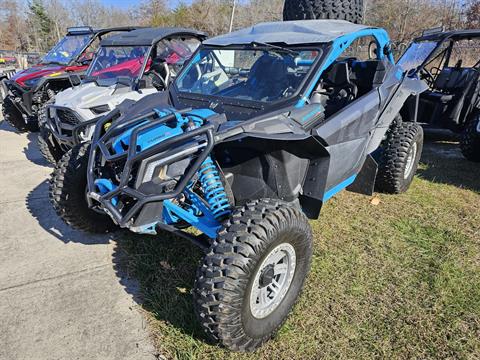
(132, 157)
(64, 132)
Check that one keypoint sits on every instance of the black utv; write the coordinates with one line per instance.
(449, 62)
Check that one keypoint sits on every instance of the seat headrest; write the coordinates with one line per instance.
(338, 74)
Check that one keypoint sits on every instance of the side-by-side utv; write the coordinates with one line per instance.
(62, 67)
(449, 61)
(260, 128)
(127, 66)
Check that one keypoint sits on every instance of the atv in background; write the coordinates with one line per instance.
(261, 128)
(449, 61)
(60, 69)
(350, 10)
(126, 66)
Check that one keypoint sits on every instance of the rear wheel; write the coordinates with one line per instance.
(350, 10)
(12, 115)
(470, 141)
(253, 273)
(68, 193)
(400, 154)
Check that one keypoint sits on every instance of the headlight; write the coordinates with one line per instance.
(98, 110)
(32, 82)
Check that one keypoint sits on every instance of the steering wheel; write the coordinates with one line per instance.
(427, 76)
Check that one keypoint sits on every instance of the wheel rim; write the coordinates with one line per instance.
(412, 154)
(272, 280)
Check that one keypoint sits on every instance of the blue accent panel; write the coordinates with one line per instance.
(305, 62)
(337, 188)
(338, 47)
(206, 223)
(162, 132)
(105, 186)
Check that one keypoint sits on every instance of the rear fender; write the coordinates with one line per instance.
(407, 88)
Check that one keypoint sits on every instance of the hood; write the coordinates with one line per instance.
(43, 70)
(88, 95)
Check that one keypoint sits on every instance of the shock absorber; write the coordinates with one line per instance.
(213, 189)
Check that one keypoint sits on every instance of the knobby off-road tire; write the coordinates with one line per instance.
(350, 10)
(13, 116)
(3, 93)
(48, 146)
(470, 141)
(400, 154)
(239, 264)
(67, 193)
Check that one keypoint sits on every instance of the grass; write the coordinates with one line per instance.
(396, 280)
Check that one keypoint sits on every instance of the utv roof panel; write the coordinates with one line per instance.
(148, 36)
(454, 34)
(84, 30)
(289, 32)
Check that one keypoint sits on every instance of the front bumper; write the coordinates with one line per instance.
(143, 204)
(67, 126)
(22, 98)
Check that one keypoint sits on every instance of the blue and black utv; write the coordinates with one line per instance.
(261, 127)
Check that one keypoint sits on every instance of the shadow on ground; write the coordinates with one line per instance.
(5, 126)
(32, 152)
(39, 206)
(444, 163)
(164, 266)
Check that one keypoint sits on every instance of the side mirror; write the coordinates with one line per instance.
(387, 50)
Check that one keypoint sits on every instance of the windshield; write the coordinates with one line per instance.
(67, 49)
(416, 54)
(176, 51)
(112, 62)
(247, 74)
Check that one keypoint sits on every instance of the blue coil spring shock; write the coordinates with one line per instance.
(213, 189)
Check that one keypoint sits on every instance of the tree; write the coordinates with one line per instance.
(472, 15)
(42, 26)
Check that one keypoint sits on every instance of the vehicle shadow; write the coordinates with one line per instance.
(157, 271)
(39, 206)
(442, 162)
(5, 126)
(164, 267)
(32, 153)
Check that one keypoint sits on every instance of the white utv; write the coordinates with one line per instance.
(125, 68)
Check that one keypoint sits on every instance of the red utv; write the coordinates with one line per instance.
(61, 68)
